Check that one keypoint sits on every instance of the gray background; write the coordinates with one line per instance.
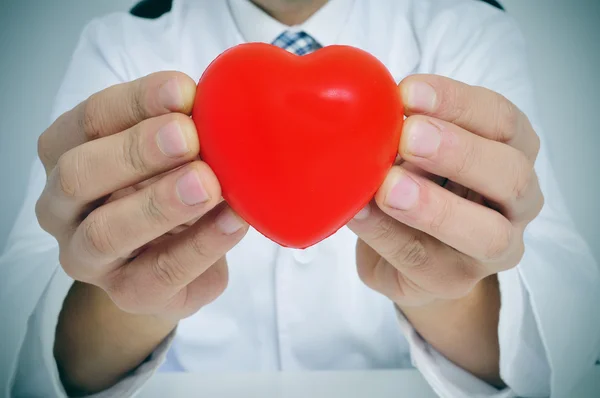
(38, 36)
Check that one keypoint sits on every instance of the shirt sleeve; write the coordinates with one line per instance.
(33, 285)
(449, 380)
(557, 282)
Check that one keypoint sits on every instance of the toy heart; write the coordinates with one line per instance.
(299, 144)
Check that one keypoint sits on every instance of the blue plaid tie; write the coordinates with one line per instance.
(299, 43)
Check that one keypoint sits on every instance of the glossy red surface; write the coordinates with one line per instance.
(299, 144)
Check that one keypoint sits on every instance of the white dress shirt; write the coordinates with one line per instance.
(293, 310)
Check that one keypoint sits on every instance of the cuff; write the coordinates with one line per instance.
(523, 360)
(37, 372)
(524, 364)
(445, 378)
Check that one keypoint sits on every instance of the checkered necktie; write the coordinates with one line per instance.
(299, 43)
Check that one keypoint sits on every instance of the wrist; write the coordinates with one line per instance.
(464, 330)
(97, 343)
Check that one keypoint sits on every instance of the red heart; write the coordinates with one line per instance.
(299, 144)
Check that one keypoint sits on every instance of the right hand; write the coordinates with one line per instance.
(134, 211)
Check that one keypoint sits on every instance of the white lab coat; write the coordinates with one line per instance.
(297, 310)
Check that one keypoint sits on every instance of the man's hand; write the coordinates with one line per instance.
(139, 221)
(434, 247)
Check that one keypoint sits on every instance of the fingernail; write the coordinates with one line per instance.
(170, 95)
(423, 139)
(364, 213)
(404, 194)
(228, 222)
(420, 96)
(190, 190)
(171, 141)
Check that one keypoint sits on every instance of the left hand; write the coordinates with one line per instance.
(419, 242)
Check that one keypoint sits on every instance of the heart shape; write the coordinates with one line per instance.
(299, 144)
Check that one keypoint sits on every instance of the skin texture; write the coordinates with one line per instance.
(124, 178)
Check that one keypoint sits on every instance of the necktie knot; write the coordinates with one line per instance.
(299, 43)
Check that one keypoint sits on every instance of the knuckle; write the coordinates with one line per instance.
(537, 200)
(217, 278)
(500, 242)
(411, 292)
(167, 269)
(201, 250)
(43, 148)
(365, 273)
(402, 287)
(460, 289)
(465, 274)
(221, 281)
(152, 209)
(138, 101)
(508, 119)
(522, 175)
(122, 292)
(385, 230)
(125, 300)
(454, 101)
(470, 270)
(42, 213)
(68, 176)
(441, 218)
(133, 153)
(413, 253)
(130, 299)
(98, 240)
(69, 266)
(470, 157)
(91, 122)
(519, 253)
(65, 263)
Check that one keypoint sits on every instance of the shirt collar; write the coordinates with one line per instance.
(257, 26)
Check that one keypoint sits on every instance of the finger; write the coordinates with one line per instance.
(161, 272)
(115, 109)
(114, 230)
(475, 109)
(472, 229)
(98, 168)
(412, 263)
(141, 185)
(202, 290)
(499, 172)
